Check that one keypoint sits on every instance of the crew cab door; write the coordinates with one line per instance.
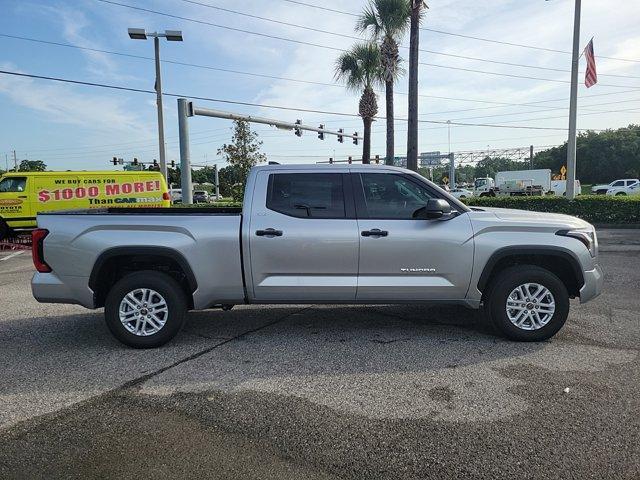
(303, 237)
(402, 258)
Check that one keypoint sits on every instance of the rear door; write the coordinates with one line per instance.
(303, 237)
(406, 259)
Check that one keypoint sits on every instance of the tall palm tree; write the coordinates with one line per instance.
(414, 43)
(387, 21)
(359, 69)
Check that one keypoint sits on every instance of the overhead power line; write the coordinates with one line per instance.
(470, 37)
(353, 37)
(276, 107)
(496, 104)
(291, 40)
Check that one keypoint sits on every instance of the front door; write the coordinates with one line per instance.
(15, 205)
(303, 237)
(402, 258)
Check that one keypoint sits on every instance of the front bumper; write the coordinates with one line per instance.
(593, 282)
(49, 288)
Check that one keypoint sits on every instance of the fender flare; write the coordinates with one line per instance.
(540, 250)
(156, 251)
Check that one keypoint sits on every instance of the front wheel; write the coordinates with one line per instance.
(145, 309)
(4, 230)
(528, 303)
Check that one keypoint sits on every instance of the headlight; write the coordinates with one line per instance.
(586, 235)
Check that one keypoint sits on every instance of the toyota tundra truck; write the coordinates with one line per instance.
(312, 234)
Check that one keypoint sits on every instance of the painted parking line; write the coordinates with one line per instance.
(11, 256)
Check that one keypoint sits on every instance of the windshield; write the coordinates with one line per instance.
(480, 182)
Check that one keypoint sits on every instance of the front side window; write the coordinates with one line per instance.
(619, 183)
(304, 195)
(392, 196)
(13, 184)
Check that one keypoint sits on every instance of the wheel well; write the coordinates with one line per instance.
(111, 268)
(559, 264)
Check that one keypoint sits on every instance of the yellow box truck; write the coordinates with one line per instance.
(24, 194)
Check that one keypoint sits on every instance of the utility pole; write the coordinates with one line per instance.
(452, 165)
(15, 162)
(573, 105)
(185, 159)
(217, 181)
(531, 157)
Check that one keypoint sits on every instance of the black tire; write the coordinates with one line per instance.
(4, 230)
(506, 282)
(163, 284)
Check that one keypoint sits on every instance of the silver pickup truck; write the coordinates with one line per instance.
(317, 234)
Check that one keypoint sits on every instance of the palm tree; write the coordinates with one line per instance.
(359, 69)
(387, 21)
(414, 44)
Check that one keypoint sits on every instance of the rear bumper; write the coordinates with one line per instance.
(49, 288)
(593, 282)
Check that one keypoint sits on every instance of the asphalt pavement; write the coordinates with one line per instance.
(323, 391)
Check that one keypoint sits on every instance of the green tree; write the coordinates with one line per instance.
(243, 152)
(32, 166)
(359, 68)
(387, 21)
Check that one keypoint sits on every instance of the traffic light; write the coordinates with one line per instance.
(377, 158)
(355, 138)
(297, 130)
(114, 161)
(350, 160)
(135, 161)
(321, 134)
(155, 165)
(340, 137)
(173, 164)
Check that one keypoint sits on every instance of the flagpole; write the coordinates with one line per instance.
(573, 105)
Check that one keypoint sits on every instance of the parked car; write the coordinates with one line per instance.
(602, 189)
(201, 196)
(630, 189)
(353, 234)
(461, 193)
(176, 195)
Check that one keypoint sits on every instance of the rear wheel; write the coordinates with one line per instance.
(528, 303)
(145, 309)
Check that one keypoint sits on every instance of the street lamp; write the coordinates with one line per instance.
(171, 36)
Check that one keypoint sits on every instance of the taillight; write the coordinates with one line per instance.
(37, 250)
(166, 196)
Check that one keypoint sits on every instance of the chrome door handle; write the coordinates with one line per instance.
(269, 232)
(376, 232)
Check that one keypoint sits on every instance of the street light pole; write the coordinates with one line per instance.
(171, 36)
(161, 145)
(573, 105)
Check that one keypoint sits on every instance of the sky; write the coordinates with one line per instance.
(81, 127)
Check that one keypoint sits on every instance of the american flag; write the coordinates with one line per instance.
(591, 76)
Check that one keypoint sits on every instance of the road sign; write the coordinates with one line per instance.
(563, 172)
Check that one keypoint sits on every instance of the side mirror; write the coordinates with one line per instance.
(435, 208)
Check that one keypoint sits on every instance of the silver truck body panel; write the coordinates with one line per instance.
(316, 260)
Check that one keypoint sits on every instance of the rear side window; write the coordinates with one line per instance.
(13, 184)
(303, 195)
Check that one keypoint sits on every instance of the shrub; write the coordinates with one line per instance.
(598, 209)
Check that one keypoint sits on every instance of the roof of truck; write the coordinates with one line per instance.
(320, 166)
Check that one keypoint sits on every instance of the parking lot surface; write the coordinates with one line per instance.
(323, 391)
